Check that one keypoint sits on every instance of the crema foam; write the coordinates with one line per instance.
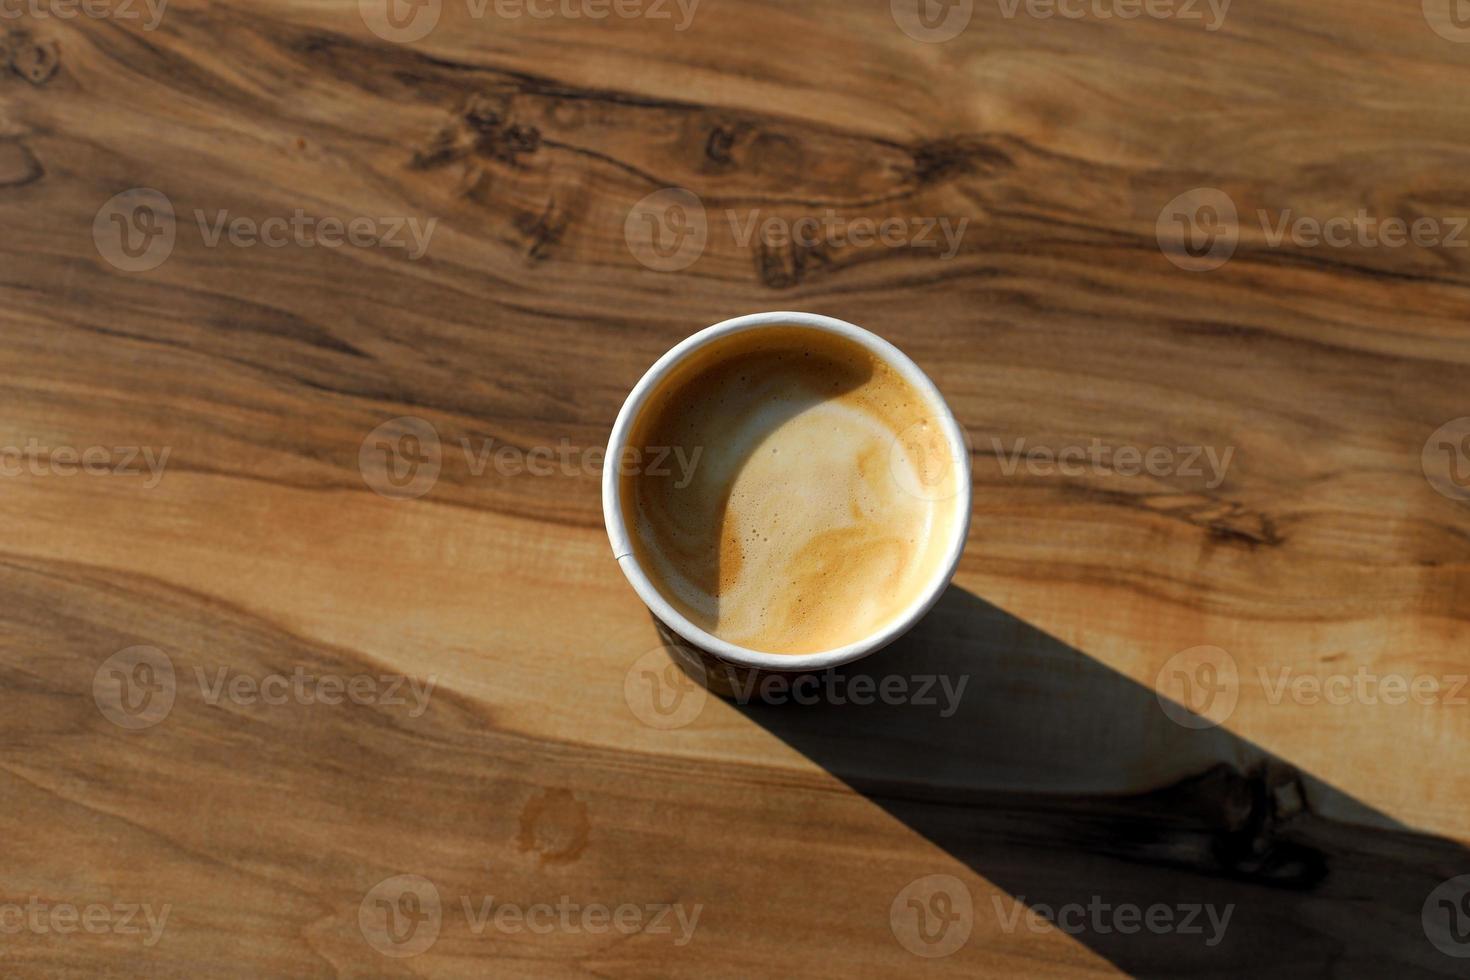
(823, 503)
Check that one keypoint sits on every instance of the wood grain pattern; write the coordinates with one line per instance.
(529, 776)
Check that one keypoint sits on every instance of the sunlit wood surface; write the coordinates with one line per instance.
(536, 769)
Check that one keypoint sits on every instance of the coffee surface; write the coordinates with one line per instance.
(820, 502)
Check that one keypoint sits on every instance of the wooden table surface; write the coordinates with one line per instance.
(315, 659)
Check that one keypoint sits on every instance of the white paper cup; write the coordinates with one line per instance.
(704, 642)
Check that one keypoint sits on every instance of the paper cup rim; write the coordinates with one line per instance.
(620, 535)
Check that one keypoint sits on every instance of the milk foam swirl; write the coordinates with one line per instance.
(799, 530)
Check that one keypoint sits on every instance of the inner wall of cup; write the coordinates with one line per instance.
(956, 514)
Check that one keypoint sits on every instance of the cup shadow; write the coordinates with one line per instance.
(1017, 778)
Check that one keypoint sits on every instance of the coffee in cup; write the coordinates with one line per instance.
(826, 499)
